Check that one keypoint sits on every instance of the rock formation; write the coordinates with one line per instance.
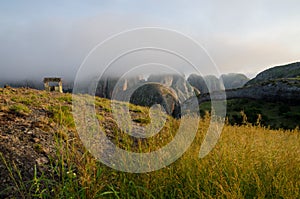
(198, 82)
(234, 80)
(279, 72)
(155, 93)
(282, 90)
(205, 84)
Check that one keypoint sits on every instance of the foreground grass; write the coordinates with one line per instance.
(248, 162)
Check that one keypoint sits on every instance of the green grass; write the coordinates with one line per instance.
(142, 120)
(249, 161)
(62, 115)
(19, 109)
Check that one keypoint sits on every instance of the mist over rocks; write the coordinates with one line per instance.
(234, 80)
(166, 79)
(155, 93)
(205, 84)
(212, 83)
(287, 91)
(169, 90)
(280, 83)
(277, 84)
(198, 82)
(108, 85)
(178, 83)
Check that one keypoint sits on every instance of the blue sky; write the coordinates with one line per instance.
(41, 38)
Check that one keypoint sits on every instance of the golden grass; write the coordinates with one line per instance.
(247, 162)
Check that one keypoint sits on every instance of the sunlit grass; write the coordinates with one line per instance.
(249, 161)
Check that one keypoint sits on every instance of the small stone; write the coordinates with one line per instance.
(46, 150)
(41, 161)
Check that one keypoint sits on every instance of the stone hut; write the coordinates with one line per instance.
(53, 84)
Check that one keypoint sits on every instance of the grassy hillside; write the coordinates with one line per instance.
(287, 71)
(42, 156)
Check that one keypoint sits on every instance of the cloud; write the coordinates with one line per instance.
(53, 39)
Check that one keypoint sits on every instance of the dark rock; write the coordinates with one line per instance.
(155, 93)
(198, 82)
(205, 84)
(234, 80)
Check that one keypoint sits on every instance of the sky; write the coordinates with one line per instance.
(52, 38)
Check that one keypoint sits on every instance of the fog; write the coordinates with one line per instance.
(53, 39)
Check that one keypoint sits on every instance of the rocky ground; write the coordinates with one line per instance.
(36, 128)
(28, 138)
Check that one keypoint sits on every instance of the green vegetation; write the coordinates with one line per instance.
(249, 160)
(275, 115)
(20, 109)
(142, 120)
(62, 115)
(66, 98)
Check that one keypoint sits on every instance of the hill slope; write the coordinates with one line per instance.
(279, 72)
(41, 156)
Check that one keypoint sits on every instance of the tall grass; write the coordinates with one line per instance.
(249, 161)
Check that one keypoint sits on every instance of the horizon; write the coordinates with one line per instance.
(145, 77)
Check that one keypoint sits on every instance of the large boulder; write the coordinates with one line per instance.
(234, 80)
(150, 94)
(178, 83)
(205, 84)
(106, 86)
(198, 82)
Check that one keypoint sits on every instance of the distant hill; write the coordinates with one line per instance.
(279, 72)
(277, 84)
(273, 93)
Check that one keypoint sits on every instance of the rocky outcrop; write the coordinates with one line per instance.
(279, 72)
(168, 90)
(183, 89)
(178, 83)
(211, 83)
(234, 80)
(155, 93)
(205, 84)
(166, 79)
(281, 90)
(108, 85)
